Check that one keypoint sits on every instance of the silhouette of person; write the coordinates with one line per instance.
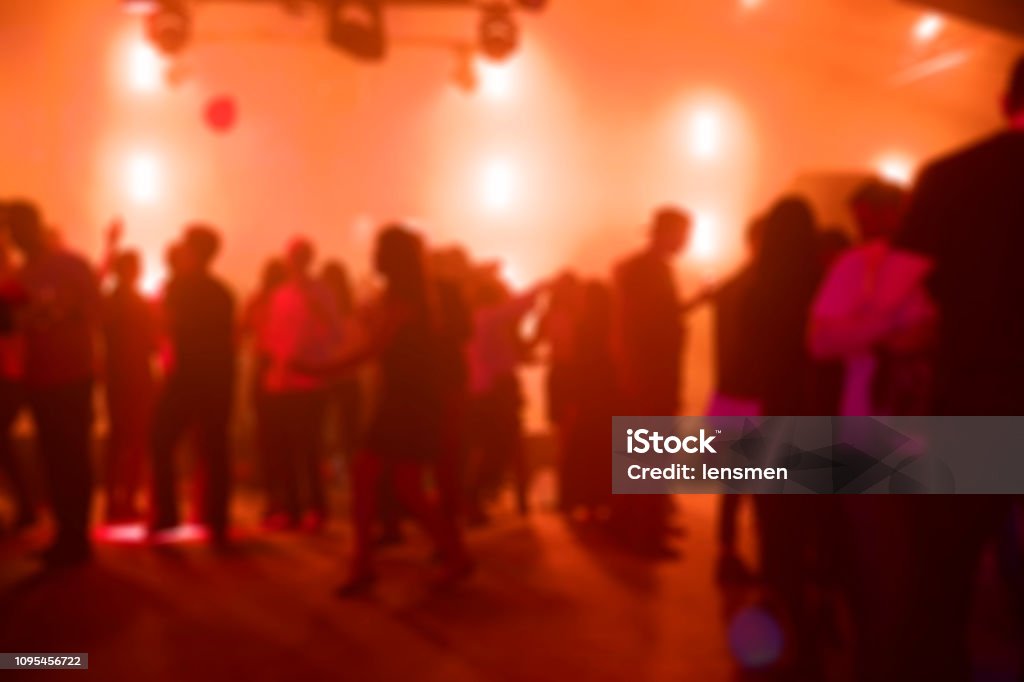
(648, 326)
(863, 313)
(405, 434)
(253, 320)
(792, 528)
(302, 327)
(736, 391)
(60, 321)
(197, 393)
(961, 239)
(647, 342)
(12, 383)
(130, 337)
(346, 393)
(494, 354)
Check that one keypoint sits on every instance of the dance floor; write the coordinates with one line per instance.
(551, 601)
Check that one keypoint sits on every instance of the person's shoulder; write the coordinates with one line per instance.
(968, 159)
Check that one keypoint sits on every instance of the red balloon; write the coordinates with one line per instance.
(221, 113)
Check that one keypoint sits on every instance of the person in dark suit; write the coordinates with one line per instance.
(964, 230)
(199, 315)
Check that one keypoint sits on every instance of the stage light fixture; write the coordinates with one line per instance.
(169, 27)
(357, 27)
(499, 34)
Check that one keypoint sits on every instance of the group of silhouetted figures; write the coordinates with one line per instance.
(921, 315)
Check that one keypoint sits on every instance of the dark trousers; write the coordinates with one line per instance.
(205, 411)
(63, 417)
(12, 400)
(295, 422)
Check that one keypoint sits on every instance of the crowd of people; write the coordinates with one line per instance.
(919, 315)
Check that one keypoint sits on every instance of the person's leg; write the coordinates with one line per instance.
(408, 476)
(215, 453)
(171, 419)
(12, 399)
(313, 407)
(367, 469)
(448, 468)
(283, 434)
(63, 417)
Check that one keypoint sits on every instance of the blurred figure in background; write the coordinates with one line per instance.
(451, 271)
(647, 342)
(559, 328)
(302, 328)
(345, 395)
(864, 314)
(405, 435)
(60, 322)
(590, 401)
(130, 335)
(962, 239)
(199, 314)
(495, 354)
(254, 318)
(12, 384)
(736, 393)
(794, 538)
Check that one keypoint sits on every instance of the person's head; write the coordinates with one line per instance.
(199, 247)
(1013, 100)
(127, 267)
(25, 226)
(789, 244)
(878, 207)
(299, 257)
(670, 231)
(274, 273)
(400, 259)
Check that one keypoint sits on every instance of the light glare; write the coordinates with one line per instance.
(143, 178)
(498, 185)
(896, 169)
(928, 28)
(145, 67)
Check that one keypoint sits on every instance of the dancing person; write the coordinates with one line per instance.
(736, 390)
(558, 328)
(131, 338)
(302, 328)
(793, 530)
(864, 315)
(253, 320)
(12, 386)
(450, 272)
(345, 395)
(405, 432)
(60, 320)
(647, 341)
(198, 311)
(495, 353)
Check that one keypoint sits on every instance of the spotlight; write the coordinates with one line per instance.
(169, 27)
(499, 35)
(357, 27)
